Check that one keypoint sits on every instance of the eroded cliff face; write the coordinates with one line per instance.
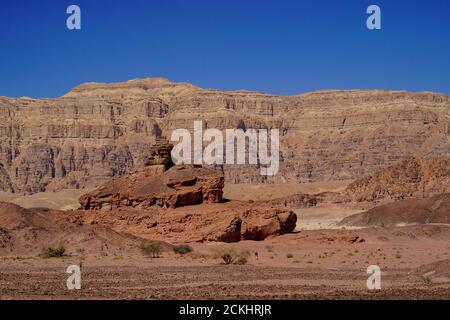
(99, 131)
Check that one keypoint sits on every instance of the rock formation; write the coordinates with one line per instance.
(182, 204)
(224, 222)
(98, 131)
(180, 186)
(412, 211)
(411, 178)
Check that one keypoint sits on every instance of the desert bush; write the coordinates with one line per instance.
(50, 252)
(227, 256)
(289, 256)
(242, 257)
(152, 250)
(230, 256)
(182, 249)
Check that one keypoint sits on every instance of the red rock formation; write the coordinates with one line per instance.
(180, 186)
(225, 222)
(181, 204)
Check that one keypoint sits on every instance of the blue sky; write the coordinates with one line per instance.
(280, 47)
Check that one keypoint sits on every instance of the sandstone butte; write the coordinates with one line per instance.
(100, 131)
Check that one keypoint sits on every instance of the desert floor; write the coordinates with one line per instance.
(273, 191)
(306, 265)
(321, 260)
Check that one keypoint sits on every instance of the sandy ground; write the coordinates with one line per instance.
(257, 192)
(61, 200)
(322, 218)
(296, 266)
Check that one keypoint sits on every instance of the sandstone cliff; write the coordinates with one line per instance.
(98, 131)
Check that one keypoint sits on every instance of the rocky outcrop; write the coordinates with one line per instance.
(224, 222)
(180, 186)
(159, 154)
(300, 200)
(413, 211)
(259, 224)
(182, 204)
(98, 131)
(412, 178)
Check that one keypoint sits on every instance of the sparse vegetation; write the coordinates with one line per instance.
(230, 256)
(50, 252)
(242, 257)
(152, 250)
(289, 256)
(427, 280)
(20, 258)
(325, 254)
(182, 249)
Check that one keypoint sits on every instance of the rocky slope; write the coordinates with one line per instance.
(412, 178)
(98, 131)
(413, 211)
(27, 231)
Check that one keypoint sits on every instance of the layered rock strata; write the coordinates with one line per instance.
(98, 131)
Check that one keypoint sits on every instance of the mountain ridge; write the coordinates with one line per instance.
(98, 131)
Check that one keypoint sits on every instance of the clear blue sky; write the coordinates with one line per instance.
(280, 47)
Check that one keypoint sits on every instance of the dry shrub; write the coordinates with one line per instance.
(182, 249)
(230, 256)
(152, 250)
(50, 252)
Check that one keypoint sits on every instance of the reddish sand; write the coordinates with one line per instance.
(328, 264)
